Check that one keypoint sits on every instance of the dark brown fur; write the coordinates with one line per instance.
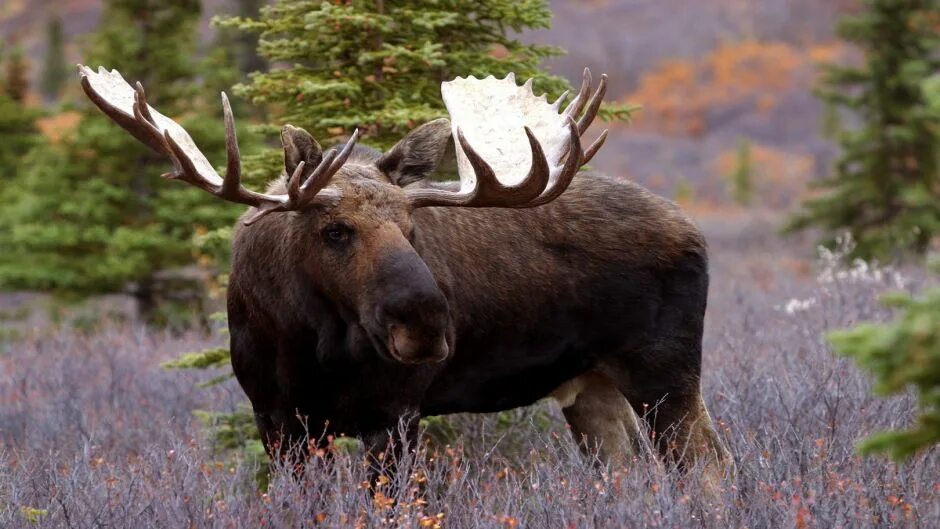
(608, 282)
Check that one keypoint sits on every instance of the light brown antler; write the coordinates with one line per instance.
(538, 187)
(577, 105)
(128, 108)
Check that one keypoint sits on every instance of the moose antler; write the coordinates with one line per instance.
(128, 107)
(492, 108)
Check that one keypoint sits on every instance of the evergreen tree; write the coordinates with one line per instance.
(55, 72)
(904, 353)
(19, 133)
(92, 215)
(886, 185)
(378, 65)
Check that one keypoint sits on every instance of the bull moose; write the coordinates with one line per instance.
(362, 292)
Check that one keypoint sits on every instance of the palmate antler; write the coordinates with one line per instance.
(497, 107)
(480, 186)
(128, 108)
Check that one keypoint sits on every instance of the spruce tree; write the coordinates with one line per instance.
(19, 133)
(904, 354)
(378, 65)
(92, 215)
(17, 128)
(885, 189)
(55, 72)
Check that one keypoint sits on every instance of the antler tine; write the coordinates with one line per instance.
(557, 104)
(596, 146)
(576, 105)
(140, 100)
(593, 106)
(539, 174)
(147, 126)
(488, 191)
(233, 168)
(485, 177)
(317, 180)
(571, 167)
(294, 197)
(293, 183)
(313, 188)
(344, 154)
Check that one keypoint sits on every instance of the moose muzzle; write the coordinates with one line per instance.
(410, 309)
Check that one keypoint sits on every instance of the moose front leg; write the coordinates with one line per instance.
(601, 420)
(287, 439)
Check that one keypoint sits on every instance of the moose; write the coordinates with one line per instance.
(363, 293)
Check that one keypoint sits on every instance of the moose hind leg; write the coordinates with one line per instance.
(601, 419)
(684, 432)
(666, 392)
(662, 377)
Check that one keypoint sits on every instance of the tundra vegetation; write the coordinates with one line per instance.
(94, 432)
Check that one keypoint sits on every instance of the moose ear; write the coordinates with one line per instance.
(418, 154)
(299, 146)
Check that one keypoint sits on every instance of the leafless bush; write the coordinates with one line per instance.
(94, 434)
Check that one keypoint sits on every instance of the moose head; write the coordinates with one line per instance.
(351, 217)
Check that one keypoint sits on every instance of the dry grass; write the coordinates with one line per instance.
(94, 434)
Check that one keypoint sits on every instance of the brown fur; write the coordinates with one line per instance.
(603, 288)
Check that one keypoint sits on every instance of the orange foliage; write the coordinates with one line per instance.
(11, 8)
(826, 53)
(740, 69)
(54, 127)
(778, 176)
(677, 94)
(669, 97)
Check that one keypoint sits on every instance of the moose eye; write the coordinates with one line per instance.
(337, 233)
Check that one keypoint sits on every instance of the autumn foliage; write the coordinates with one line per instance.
(679, 95)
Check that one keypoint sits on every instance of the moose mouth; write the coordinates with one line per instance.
(396, 345)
